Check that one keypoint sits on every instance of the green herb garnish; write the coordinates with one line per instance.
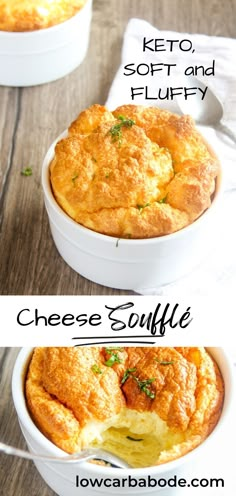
(141, 207)
(73, 179)
(27, 171)
(127, 373)
(114, 359)
(163, 200)
(164, 362)
(145, 386)
(116, 130)
(96, 369)
(111, 349)
(117, 242)
(133, 438)
(114, 356)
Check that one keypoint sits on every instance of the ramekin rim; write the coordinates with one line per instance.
(48, 195)
(41, 32)
(27, 422)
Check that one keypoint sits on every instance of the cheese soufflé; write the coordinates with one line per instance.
(25, 15)
(147, 405)
(136, 172)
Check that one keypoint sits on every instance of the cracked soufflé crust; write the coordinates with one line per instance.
(25, 15)
(137, 172)
(73, 392)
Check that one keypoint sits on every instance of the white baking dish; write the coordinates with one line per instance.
(37, 57)
(124, 263)
(62, 478)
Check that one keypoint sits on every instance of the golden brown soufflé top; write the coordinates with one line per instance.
(25, 15)
(137, 172)
(148, 405)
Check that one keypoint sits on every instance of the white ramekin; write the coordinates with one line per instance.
(61, 477)
(37, 57)
(128, 263)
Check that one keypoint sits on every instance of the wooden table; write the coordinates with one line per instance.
(30, 119)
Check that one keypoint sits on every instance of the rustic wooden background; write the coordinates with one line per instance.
(30, 119)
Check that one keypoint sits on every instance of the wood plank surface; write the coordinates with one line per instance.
(31, 118)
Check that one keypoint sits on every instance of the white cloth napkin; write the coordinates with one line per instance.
(217, 272)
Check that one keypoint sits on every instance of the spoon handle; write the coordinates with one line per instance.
(226, 130)
(86, 454)
(11, 450)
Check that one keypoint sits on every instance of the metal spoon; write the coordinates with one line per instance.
(82, 456)
(209, 111)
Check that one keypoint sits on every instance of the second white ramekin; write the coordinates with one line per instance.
(37, 57)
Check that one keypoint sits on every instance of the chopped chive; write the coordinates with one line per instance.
(111, 349)
(116, 130)
(163, 200)
(74, 178)
(127, 373)
(27, 171)
(141, 207)
(112, 360)
(164, 362)
(133, 438)
(114, 356)
(145, 386)
(96, 369)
